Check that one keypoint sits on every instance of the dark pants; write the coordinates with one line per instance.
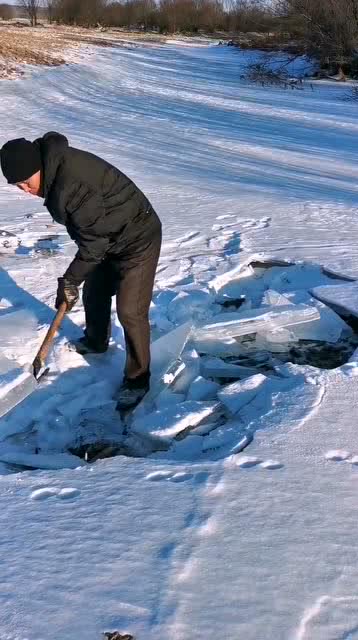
(130, 277)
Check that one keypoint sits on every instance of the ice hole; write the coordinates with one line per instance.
(272, 313)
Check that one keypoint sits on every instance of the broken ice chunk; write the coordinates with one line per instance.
(297, 276)
(226, 347)
(236, 395)
(201, 389)
(217, 368)
(168, 422)
(278, 341)
(41, 460)
(229, 435)
(244, 284)
(329, 328)
(168, 348)
(342, 296)
(189, 372)
(159, 319)
(168, 398)
(231, 325)
(231, 278)
(273, 298)
(194, 304)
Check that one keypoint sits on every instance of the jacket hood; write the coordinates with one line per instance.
(53, 147)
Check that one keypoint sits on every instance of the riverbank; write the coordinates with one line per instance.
(55, 45)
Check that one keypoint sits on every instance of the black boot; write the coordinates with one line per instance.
(131, 393)
(84, 347)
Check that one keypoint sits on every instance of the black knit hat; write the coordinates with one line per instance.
(20, 159)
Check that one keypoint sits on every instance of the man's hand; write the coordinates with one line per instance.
(66, 292)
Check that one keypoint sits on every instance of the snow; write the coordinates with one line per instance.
(239, 521)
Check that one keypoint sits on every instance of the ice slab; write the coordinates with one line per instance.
(343, 296)
(16, 383)
(274, 298)
(329, 328)
(226, 347)
(246, 283)
(278, 341)
(229, 435)
(168, 348)
(168, 398)
(202, 389)
(195, 304)
(41, 461)
(166, 364)
(217, 368)
(190, 371)
(236, 395)
(233, 278)
(302, 276)
(166, 423)
(231, 325)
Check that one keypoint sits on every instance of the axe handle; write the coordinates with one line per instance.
(42, 353)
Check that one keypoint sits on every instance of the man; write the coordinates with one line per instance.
(118, 235)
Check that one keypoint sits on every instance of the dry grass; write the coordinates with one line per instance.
(55, 45)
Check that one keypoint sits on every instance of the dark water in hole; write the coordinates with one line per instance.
(322, 355)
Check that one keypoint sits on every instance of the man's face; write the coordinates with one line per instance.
(31, 185)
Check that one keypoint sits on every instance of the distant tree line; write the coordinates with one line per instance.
(163, 15)
(325, 29)
(328, 29)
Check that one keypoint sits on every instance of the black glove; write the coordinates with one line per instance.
(66, 292)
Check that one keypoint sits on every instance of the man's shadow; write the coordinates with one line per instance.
(19, 298)
(66, 383)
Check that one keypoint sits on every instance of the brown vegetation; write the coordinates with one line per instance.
(324, 29)
(20, 44)
(54, 45)
(7, 11)
(327, 29)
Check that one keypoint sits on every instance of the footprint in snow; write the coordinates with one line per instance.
(43, 494)
(337, 455)
(68, 493)
(271, 465)
(247, 462)
(178, 477)
(341, 455)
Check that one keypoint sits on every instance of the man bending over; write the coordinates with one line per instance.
(118, 235)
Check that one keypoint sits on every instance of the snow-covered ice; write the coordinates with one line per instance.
(240, 522)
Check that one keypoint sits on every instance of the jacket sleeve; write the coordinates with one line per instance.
(85, 213)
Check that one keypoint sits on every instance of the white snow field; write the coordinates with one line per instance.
(235, 514)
